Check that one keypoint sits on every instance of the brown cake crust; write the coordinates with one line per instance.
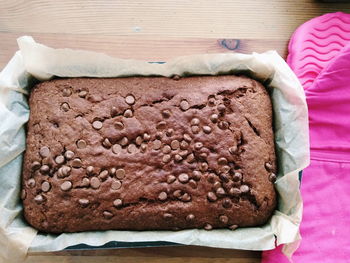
(145, 153)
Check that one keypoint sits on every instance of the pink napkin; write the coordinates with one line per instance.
(325, 186)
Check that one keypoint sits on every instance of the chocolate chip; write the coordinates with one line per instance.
(227, 203)
(132, 149)
(268, 167)
(185, 197)
(220, 191)
(195, 129)
(59, 159)
(196, 175)
(222, 161)
(207, 129)
(183, 153)
(232, 150)
(233, 227)
(95, 183)
(195, 121)
(203, 155)
(23, 194)
(184, 105)
(167, 216)
(157, 144)
(82, 94)
(39, 199)
(166, 113)
(212, 197)
(211, 101)
(146, 136)
(120, 173)
(176, 77)
(44, 169)
(97, 125)
(166, 149)
(103, 175)
(171, 179)
(107, 214)
(208, 227)
(237, 177)
(86, 182)
(162, 196)
(211, 178)
(161, 125)
(223, 219)
(66, 186)
(138, 140)
(177, 193)
(190, 217)
(244, 188)
(216, 185)
(190, 158)
(35, 165)
(124, 141)
(65, 107)
(64, 171)
(169, 132)
(116, 149)
(66, 92)
(203, 166)
(130, 99)
(118, 203)
(119, 125)
(44, 152)
(90, 170)
(214, 118)
(225, 169)
(272, 177)
(76, 163)
(31, 183)
(84, 202)
(221, 107)
(45, 186)
(223, 125)
(178, 158)
(143, 147)
(187, 137)
(114, 111)
(116, 185)
(128, 113)
(166, 158)
(198, 145)
(69, 155)
(159, 135)
(183, 178)
(234, 191)
(107, 143)
(192, 183)
(183, 145)
(224, 177)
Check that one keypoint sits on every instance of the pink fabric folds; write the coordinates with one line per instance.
(325, 186)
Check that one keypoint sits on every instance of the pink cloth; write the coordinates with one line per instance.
(325, 186)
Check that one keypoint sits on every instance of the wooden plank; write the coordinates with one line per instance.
(142, 47)
(257, 19)
(170, 254)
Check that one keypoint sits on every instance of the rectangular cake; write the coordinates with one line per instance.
(149, 153)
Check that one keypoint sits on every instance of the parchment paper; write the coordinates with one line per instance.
(291, 136)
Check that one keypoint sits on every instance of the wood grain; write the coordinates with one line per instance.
(262, 19)
(150, 48)
(168, 254)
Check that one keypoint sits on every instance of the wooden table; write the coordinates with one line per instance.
(156, 30)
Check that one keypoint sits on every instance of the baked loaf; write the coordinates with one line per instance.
(145, 153)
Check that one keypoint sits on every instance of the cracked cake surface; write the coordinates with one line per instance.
(144, 153)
